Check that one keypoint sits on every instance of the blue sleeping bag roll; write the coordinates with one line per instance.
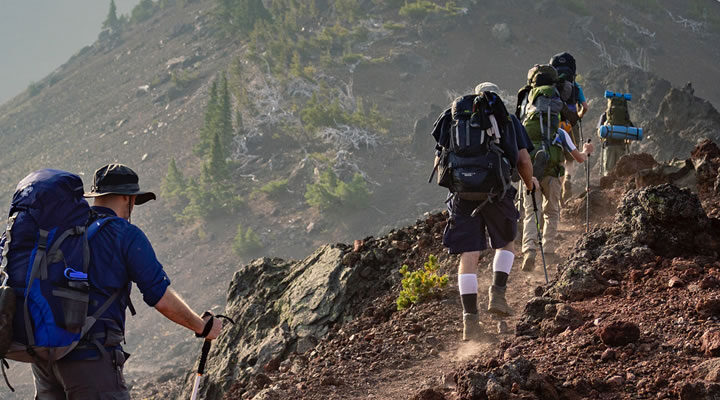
(621, 132)
(609, 94)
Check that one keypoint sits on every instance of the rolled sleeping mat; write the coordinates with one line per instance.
(621, 132)
(609, 94)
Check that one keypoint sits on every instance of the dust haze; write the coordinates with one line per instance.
(38, 36)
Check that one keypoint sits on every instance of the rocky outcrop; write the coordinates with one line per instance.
(662, 220)
(700, 173)
(283, 306)
(627, 167)
(682, 120)
(287, 307)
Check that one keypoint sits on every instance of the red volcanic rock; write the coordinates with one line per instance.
(619, 333)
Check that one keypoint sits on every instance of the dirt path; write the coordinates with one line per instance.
(437, 371)
(385, 354)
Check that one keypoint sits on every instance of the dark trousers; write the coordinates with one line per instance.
(82, 380)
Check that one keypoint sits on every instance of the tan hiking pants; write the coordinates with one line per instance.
(548, 210)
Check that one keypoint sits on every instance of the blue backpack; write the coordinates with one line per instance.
(46, 256)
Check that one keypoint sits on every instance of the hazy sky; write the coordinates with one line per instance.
(37, 36)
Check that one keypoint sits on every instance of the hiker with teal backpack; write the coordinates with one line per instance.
(541, 109)
(572, 94)
(478, 144)
(71, 267)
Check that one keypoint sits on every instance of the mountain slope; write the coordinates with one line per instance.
(93, 110)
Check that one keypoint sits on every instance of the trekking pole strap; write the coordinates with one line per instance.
(209, 323)
(5, 366)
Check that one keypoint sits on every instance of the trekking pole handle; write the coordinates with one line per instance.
(535, 207)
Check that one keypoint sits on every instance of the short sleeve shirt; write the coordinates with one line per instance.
(581, 95)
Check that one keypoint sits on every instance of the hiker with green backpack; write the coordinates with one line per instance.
(541, 109)
(478, 145)
(616, 114)
(71, 267)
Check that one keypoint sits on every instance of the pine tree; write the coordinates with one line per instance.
(240, 16)
(208, 129)
(174, 183)
(224, 123)
(215, 166)
(112, 21)
(143, 11)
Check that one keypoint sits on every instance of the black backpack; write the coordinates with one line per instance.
(471, 163)
(564, 63)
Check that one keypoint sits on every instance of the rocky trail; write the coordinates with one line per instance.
(631, 311)
(398, 355)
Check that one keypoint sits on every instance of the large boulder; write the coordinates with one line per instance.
(661, 220)
(284, 306)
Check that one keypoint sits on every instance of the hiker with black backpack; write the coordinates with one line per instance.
(572, 94)
(73, 282)
(478, 144)
(541, 110)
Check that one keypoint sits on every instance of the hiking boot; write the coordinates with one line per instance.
(528, 263)
(497, 303)
(471, 327)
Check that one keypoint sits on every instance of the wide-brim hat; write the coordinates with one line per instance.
(118, 179)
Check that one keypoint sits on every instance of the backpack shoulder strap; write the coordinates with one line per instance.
(93, 229)
(98, 224)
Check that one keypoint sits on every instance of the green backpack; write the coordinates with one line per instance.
(541, 119)
(617, 112)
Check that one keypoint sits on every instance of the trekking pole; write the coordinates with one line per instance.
(602, 157)
(539, 234)
(201, 368)
(587, 193)
(204, 353)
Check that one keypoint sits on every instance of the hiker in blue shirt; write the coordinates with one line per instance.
(572, 94)
(120, 254)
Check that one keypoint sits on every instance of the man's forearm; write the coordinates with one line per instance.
(175, 309)
(583, 109)
(579, 156)
(526, 172)
(525, 168)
